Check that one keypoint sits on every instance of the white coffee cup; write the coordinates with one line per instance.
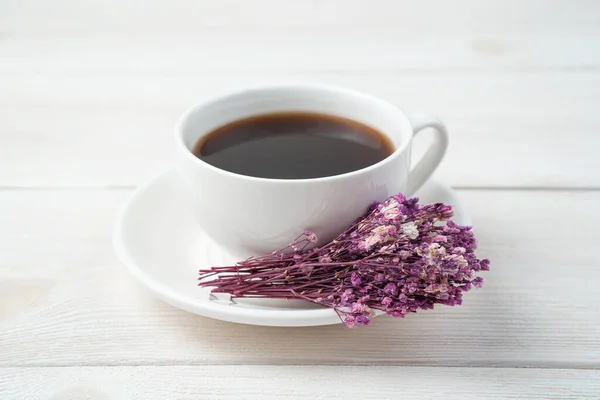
(252, 216)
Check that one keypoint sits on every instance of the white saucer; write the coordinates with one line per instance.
(163, 247)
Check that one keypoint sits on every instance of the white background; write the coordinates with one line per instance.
(90, 92)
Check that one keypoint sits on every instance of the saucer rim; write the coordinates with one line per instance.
(207, 308)
(231, 313)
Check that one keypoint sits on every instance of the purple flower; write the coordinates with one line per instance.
(350, 321)
(310, 237)
(355, 279)
(347, 296)
(401, 257)
(440, 239)
(485, 265)
(358, 308)
(391, 288)
(325, 259)
(404, 254)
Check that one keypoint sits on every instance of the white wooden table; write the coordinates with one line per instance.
(90, 92)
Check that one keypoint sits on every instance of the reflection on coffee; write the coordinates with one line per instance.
(293, 145)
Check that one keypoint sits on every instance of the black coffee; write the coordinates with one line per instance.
(293, 145)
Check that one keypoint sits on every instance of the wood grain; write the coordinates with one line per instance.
(428, 18)
(294, 382)
(89, 94)
(91, 98)
(515, 130)
(193, 37)
(208, 53)
(68, 301)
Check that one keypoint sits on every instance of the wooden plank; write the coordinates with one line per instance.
(427, 18)
(508, 130)
(191, 37)
(294, 382)
(294, 52)
(89, 93)
(66, 300)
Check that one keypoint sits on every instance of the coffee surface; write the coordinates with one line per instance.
(293, 145)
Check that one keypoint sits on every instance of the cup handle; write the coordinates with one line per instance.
(433, 156)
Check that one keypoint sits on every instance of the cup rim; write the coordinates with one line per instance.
(181, 146)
